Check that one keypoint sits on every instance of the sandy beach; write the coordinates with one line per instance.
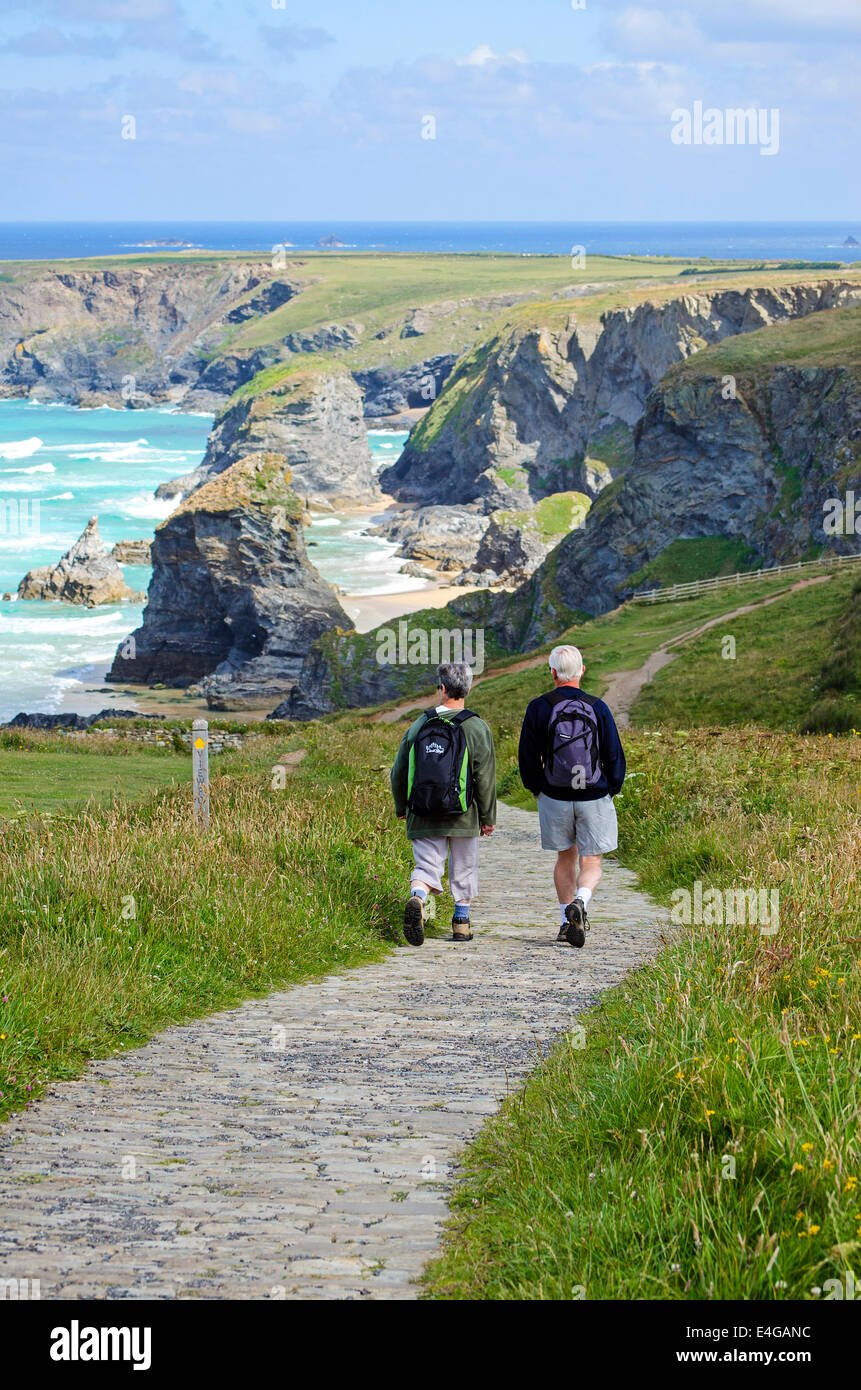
(371, 610)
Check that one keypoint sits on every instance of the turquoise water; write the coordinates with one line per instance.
(75, 464)
(345, 555)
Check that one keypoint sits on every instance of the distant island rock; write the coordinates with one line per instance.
(330, 241)
(86, 574)
(171, 243)
(850, 241)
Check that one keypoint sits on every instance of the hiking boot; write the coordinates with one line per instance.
(460, 929)
(578, 923)
(414, 927)
(562, 938)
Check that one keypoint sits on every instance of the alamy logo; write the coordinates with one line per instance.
(434, 748)
(16, 1289)
(712, 907)
(76, 1343)
(836, 1288)
(735, 126)
(19, 517)
(416, 646)
(842, 517)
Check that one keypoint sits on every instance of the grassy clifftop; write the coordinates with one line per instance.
(831, 338)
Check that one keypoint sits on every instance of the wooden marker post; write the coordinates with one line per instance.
(200, 772)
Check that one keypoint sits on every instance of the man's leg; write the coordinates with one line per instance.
(429, 857)
(463, 882)
(597, 834)
(589, 876)
(558, 833)
(565, 875)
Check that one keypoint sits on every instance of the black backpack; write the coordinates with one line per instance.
(572, 758)
(439, 776)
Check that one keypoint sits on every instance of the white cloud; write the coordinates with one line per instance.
(483, 55)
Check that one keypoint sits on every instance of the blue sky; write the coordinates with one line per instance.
(288, 109)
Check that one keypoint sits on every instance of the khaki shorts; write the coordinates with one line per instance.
(590, 825)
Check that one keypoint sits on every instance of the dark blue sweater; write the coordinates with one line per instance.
(533, 746)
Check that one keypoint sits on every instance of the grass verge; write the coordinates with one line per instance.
(118, 921)
(704, 1143)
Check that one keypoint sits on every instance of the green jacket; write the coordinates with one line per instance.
(479, 741)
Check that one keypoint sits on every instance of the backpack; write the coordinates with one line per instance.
(439, 777)
(572, 758)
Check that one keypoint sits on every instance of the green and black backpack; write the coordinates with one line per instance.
(439, 777)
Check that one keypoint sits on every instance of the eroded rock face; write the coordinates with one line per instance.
(129, 335)
(132, 552)
(446, 538)
(234, 603)
(86, 574)
(390, 391)
(510, 550)
(544, 410)
(314, 419)
(759, 468)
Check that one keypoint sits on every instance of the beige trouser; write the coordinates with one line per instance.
(430, 855)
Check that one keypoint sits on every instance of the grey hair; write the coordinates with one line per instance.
(567, 663)
(455, 677)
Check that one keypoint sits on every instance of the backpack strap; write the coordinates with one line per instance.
(462, 716)
(459, 717)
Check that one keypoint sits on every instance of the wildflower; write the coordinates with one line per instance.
(798, 1167)
(805, 1148)
(710, 1112)
(851, 1184)
(680, 1076)
(813, 1230)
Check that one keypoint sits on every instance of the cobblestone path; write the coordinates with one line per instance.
(303, 1145)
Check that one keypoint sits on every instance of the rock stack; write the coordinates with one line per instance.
(86, 574)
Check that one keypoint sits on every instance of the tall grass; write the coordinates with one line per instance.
(115, 922)
(704, 1143)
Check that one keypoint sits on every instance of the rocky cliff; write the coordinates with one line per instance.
(313, 418)
(234, 603)
(86, 574)
(748, 441)
(543, 409)
(134, 334)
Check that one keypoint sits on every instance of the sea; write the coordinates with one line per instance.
(59, 466)
(77, 463)
(736, 240)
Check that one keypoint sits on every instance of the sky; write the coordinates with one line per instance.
(543, 110)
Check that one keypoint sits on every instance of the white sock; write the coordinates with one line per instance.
(584, 894)
(563, 920)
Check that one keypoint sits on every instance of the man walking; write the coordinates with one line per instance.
(444, 784)
(571, 758)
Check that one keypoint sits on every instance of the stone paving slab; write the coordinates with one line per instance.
(304, 1145)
